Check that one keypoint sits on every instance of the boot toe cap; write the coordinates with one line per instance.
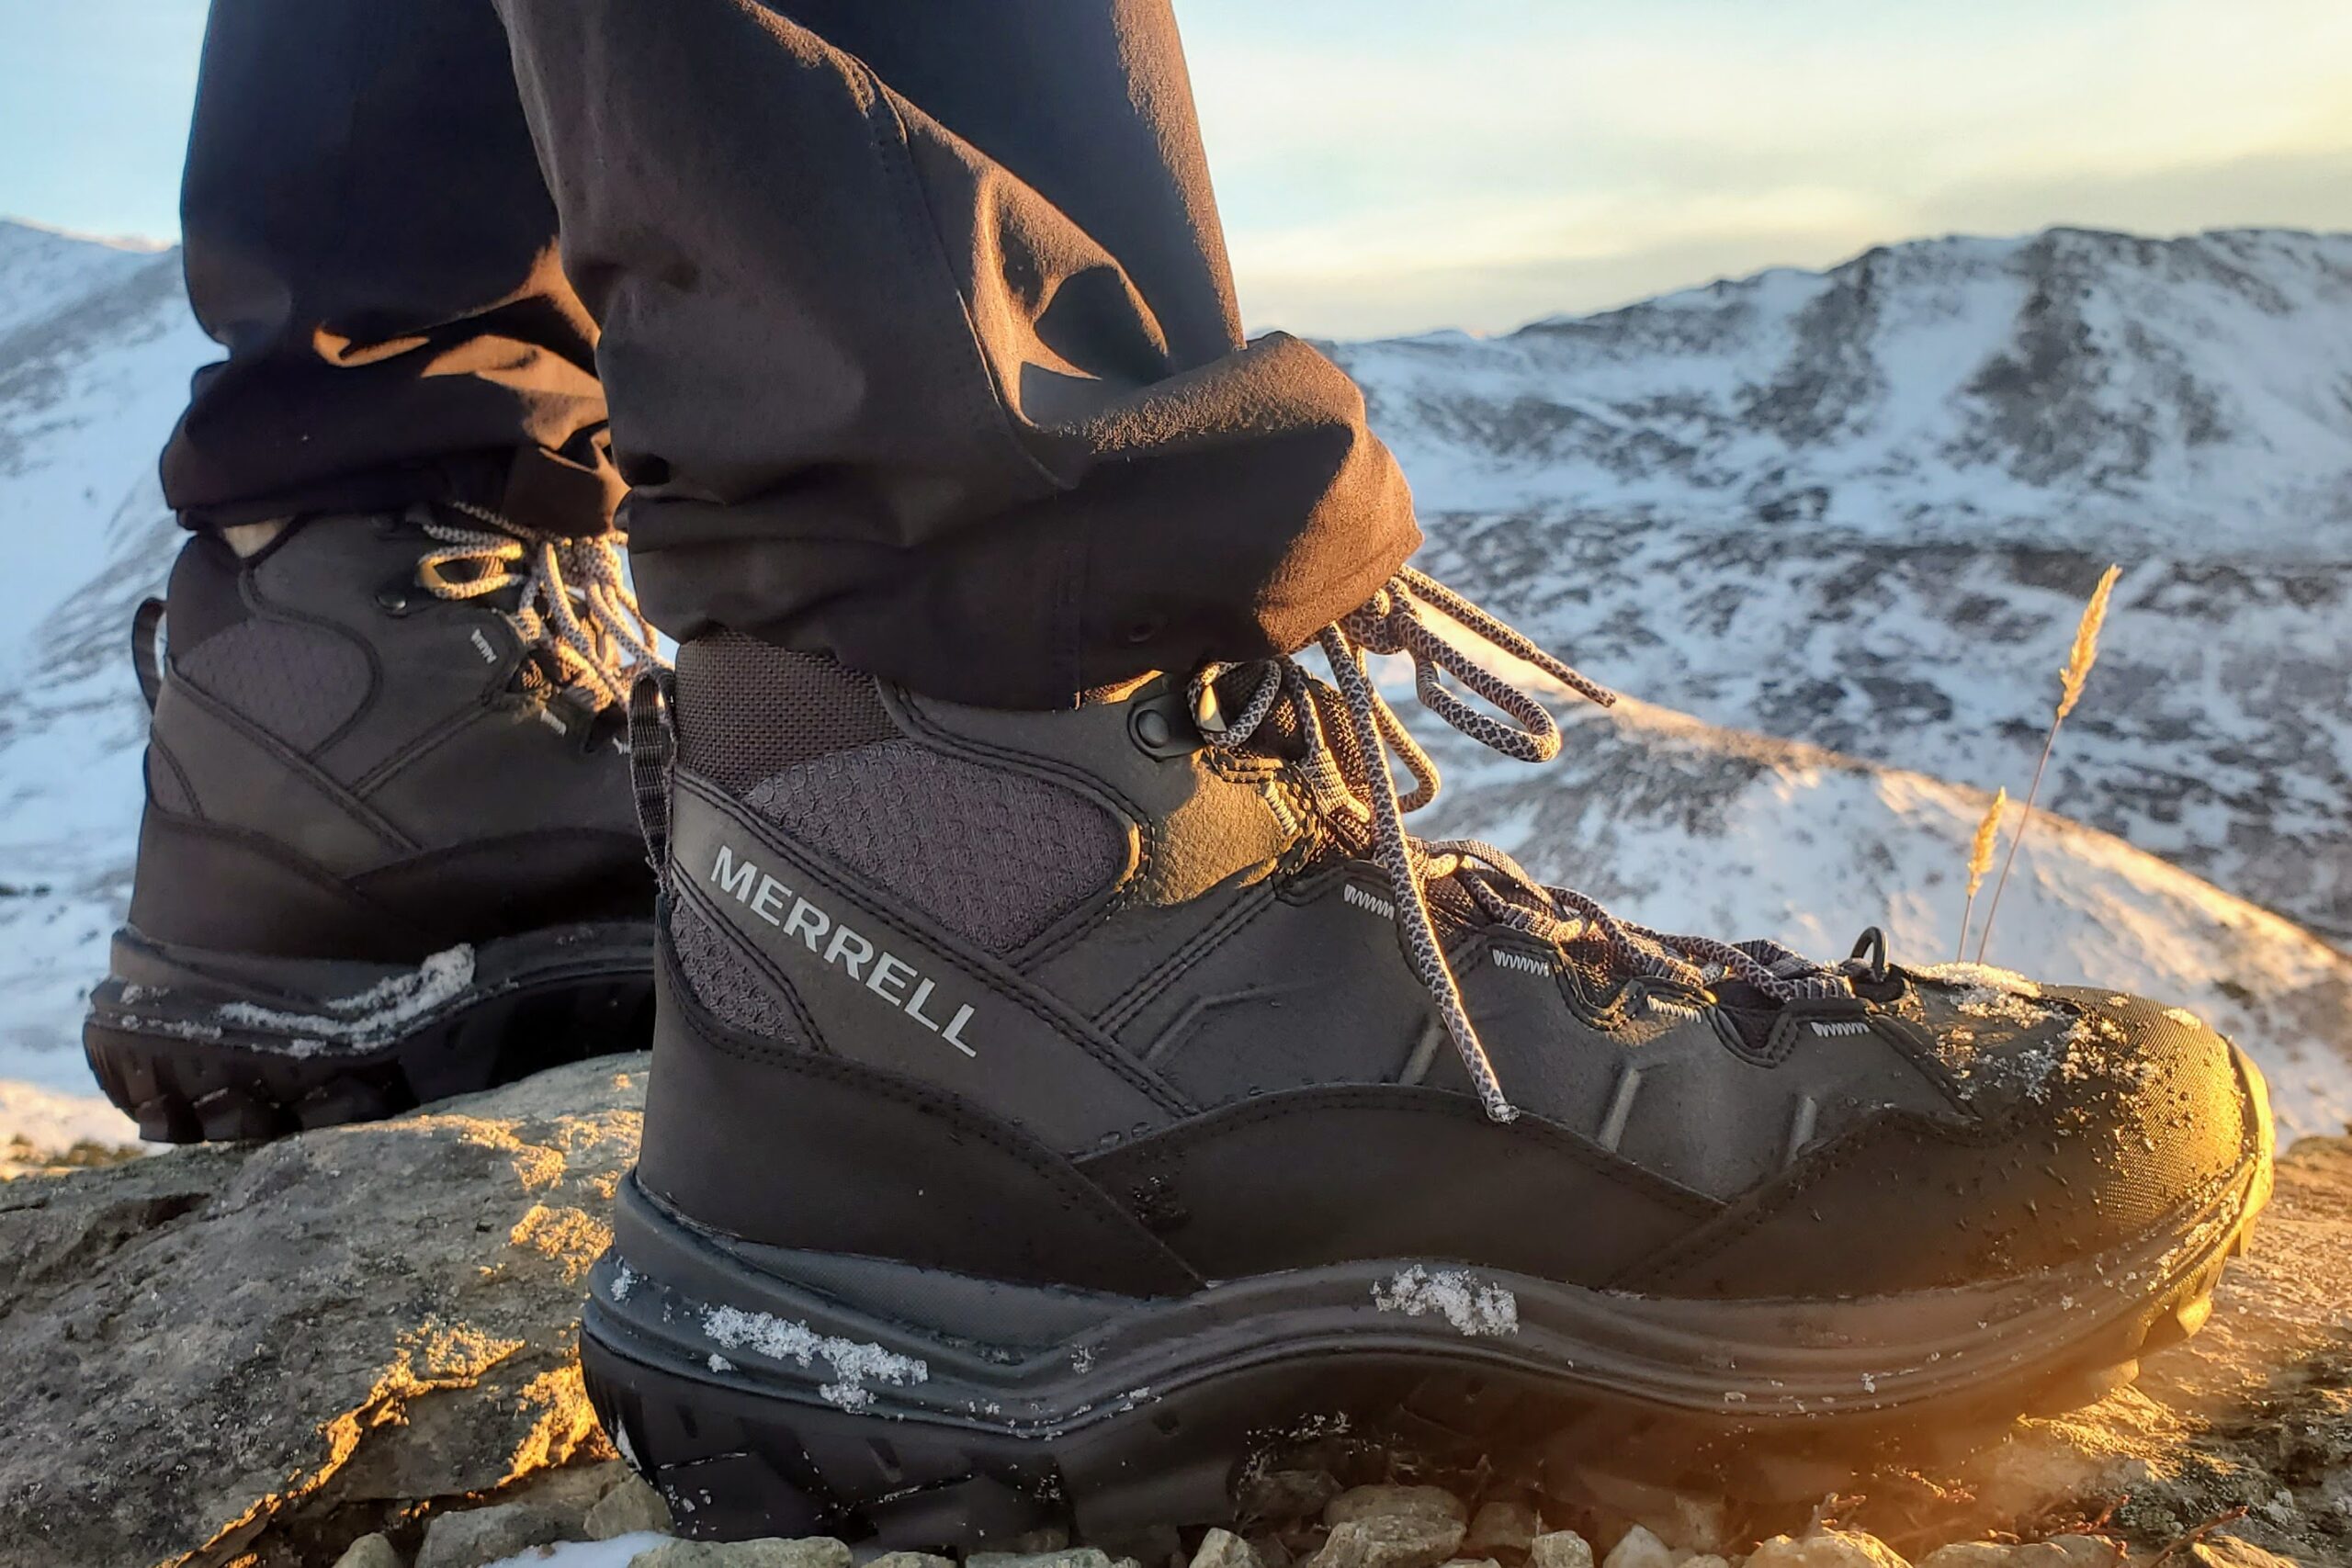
(2087, 1125)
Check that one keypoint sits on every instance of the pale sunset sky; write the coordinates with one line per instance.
(1386, 167)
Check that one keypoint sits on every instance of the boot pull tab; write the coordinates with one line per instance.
(147, 649)
(651, 742)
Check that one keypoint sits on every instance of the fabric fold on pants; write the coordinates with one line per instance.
(915, 326)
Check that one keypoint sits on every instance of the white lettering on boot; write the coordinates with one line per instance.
(849, 949)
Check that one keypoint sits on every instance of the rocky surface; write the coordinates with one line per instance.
(266, 1356)
(259, 1354)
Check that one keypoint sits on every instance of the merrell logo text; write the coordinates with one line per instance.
(837, 945)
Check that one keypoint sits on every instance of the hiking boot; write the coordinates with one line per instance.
(388, 854)
(1057, 1113)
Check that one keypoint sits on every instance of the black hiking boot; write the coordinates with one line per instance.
(1054, 1115)
(388, 854)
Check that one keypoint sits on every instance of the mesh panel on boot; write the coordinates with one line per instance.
(996, 857)
(300, 683)
(746, 709)
(723, 982)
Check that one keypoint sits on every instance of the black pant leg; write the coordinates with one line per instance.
(928, 355)
(368, 236)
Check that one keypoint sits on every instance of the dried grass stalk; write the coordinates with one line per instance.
(2079, 660)
(1980, 861)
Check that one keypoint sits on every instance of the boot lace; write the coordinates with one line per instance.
(1354, 786)
(575, 604)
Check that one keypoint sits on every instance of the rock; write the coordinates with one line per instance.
(262, 1351)
(1272, 1552)
(1694, 1524)
(1502, 1526)
(1706, 1560)
(259, 1355)
(628, 1508)
(1640, 1548)
(478, 1536)
(1303, 1538)
(2254, 1412)
(2230, 1552)
(1070, 1557)
(1471, 1563)
(1286, 1494)
(911, 1559)
(1559, 1549)
(1970, 1555)
(1223, 1548)
(1037, 1542)
(1826, 1549)
(569, 1493)
(1390, 1540)
(813, 1552)
(1394, 1502)
(369, 1552)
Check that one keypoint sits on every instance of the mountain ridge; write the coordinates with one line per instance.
(1860, 508)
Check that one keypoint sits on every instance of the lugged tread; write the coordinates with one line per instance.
(736, 1464)
(181, 1091)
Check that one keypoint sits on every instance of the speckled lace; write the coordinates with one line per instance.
(576, 601)
(1355, 786)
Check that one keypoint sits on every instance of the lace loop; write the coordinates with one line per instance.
(575, 602)
(1361, 790)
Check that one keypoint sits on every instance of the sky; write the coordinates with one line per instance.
(1390, 167)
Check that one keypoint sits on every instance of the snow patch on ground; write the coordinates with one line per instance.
(617, 1553)
(1476, 1308)
(36, 1121)
(854, 1363)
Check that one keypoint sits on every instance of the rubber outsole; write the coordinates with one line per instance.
(737, 1461)
(190, 1090)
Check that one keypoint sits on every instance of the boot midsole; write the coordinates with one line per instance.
(869, 1336)
(331, 1007)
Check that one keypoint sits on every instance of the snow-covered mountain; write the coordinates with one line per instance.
(1856, 508)
(96, 346)
(1862, 508)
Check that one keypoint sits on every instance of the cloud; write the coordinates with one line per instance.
(1331, 283)
(1389, 180)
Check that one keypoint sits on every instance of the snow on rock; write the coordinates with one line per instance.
(620, 1552)
(39, 1127)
